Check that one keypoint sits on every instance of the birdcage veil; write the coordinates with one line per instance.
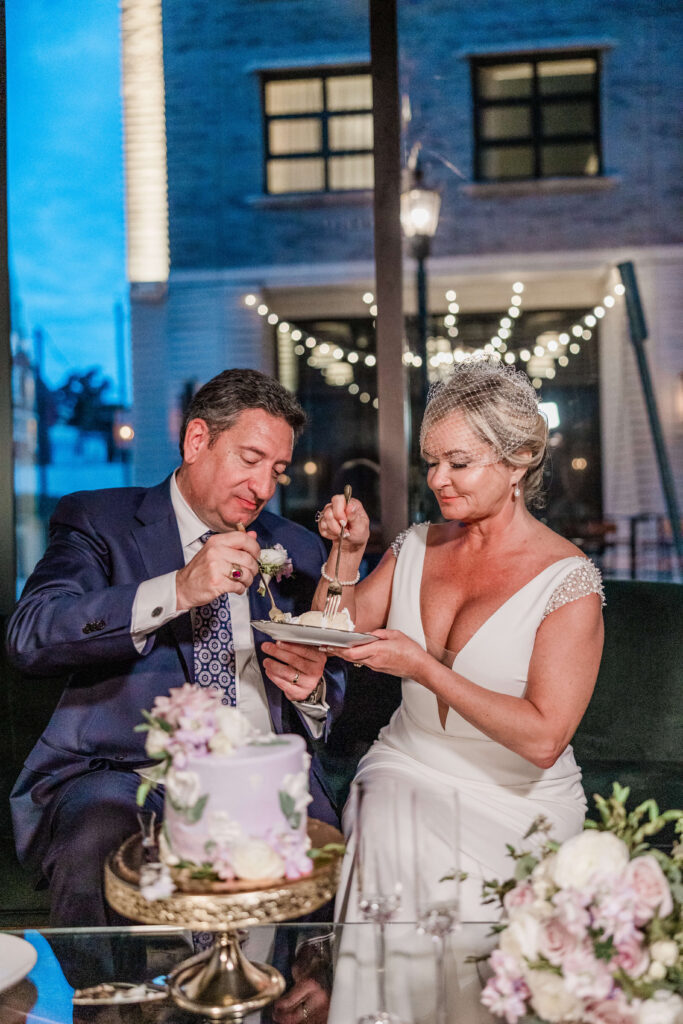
(481, 413)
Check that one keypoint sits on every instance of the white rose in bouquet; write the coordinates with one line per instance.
(589, 855)
(550, 997)
(256, 860)
(522, 936)
(664, 1008)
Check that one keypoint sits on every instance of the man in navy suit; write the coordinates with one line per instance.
(112, 603)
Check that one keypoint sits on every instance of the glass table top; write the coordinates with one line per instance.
(330, 973)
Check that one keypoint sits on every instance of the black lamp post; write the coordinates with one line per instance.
(419, 219)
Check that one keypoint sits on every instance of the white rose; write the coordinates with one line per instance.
(656, 971)
(542, 877)
(588, 854)
(273, 557)
(664, 1008)
(233, 726)
(256, 860)
(296, 786)
(157, 741)
(666, 951)
(156, 882)
(183, 787)
(220, 744)
(522, 936)
(550, 997)
(224, 829)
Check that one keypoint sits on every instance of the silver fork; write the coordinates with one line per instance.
(275, 615)
(334, 589)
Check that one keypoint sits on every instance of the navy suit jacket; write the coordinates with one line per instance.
(74, 618)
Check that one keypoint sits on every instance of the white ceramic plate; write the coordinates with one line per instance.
(294, 633)
(17, 958)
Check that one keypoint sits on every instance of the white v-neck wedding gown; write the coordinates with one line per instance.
(499, 792)
(499, 796)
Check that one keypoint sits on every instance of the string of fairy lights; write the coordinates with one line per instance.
(337, 362)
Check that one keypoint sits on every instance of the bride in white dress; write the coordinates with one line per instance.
(494, 623)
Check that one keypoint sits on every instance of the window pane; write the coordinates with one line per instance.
(505, 81)
(556, 76)
(507, 162)
(294, 96)
(567, 118)
(348, 172)
(349, 92)
(300, 136)
(296, 175)
(505, 122)
(572, 159)
(353, 131)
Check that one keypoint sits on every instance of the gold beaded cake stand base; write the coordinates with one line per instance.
(221, 983)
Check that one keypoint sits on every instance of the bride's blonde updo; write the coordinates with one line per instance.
(499, 411)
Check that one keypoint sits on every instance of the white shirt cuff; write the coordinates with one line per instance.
(154, 606)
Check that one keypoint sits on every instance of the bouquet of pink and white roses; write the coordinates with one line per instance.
(592, 929)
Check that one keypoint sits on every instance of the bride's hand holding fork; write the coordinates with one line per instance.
(352, 518)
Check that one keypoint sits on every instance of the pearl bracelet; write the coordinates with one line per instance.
(342, 583)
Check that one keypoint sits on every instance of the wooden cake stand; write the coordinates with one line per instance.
(221, 983)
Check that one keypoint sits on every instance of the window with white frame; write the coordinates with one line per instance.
(318, 131)
(537, 116)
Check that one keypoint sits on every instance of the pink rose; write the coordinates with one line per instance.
(611, 1011)
(632, 957)
(505, 994)
(521, 896)
(653, 896)
(556, 941)
(586, 976)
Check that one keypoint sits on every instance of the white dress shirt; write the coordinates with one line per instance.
(160, 593)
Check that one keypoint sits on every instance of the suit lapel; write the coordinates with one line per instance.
(159, 544)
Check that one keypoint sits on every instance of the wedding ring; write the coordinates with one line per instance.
(304, 1012)
(236, 572)
(295, 680)
(318, 516)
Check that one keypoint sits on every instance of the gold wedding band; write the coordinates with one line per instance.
(295, 680)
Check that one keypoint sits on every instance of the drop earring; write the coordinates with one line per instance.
(517, 491)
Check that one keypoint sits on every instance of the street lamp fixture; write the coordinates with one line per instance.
(420, 208)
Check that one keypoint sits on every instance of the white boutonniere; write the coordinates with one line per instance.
(274, 563)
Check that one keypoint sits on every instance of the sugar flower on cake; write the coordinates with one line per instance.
(256, 860)
(190, 722)
(294, 797)
(592, 929)
(233, 730)
(182, 787)
(223, 829)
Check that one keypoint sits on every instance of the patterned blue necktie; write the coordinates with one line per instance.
(214, 647)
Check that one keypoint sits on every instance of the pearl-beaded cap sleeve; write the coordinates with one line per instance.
(398, 542)
(585, 579)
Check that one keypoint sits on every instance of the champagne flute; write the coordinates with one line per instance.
(436, 866)
(378, 875)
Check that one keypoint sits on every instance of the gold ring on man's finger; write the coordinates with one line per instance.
(295, 680)
(236, 571)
